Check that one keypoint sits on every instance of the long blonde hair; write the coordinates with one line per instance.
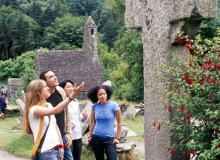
(33, 97)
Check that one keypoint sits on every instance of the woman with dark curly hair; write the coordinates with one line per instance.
(101, 128)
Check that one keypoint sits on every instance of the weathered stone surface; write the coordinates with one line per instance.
(13, 85)
(21, 107)
(157, 22)
(85, 124)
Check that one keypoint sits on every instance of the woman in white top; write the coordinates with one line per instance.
(36, 119)
(76, 118)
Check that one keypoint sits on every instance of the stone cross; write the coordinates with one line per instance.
(157, 22)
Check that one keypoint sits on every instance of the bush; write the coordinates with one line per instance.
(194, 99)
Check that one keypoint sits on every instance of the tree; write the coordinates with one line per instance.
(17, 33)
(7, 70)
(208, 27)
(118, 7)
(130, 50)
(108, 59)
(65, 30)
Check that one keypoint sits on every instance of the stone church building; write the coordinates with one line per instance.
(75, 65)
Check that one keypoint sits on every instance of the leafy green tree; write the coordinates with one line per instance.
(7, 70)
(108, 59)
(208, 27)
(118, 7)
(130, 48)
(25, 68)
(65, 30)
(17, 33)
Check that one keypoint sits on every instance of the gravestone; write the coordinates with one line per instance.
(157, 22)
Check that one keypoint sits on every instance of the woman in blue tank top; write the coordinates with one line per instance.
(102, 138)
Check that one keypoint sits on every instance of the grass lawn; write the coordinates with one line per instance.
(15, 141)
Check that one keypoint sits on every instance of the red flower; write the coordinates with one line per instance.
(187, 46)
(192, 51)
(182, 108)
(190, 64)
(211, 96)
(216, 66)
(179, 40)
(207, 64)
(170, 110)
(189, 114)
(173, 153)
(158, 128)
(201, 82)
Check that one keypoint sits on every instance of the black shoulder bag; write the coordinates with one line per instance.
(37, 155)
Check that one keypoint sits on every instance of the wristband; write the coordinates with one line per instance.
(118, 139)
(62, 146)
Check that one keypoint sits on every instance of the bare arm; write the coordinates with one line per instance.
(91, 124)
(42, 111)
(119, 126)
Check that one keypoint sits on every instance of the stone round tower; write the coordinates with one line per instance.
(90, 38)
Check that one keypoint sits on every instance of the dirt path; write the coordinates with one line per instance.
(8, 156)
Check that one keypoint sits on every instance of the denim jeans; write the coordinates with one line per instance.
(67, 151)
(51, 154)
(103, 145)
(76, 148)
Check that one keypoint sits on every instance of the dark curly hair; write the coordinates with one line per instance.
(92, 92)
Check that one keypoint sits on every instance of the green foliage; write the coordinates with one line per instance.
(118, 6)
(128, 76)
(193, 100)
(17, 33)
(7, 70)
(208, 27)
(65, 31)
(108, 59)
(25, 68)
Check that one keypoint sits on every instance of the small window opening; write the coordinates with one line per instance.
(92, 31)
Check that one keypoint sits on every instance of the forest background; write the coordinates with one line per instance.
(29, 25)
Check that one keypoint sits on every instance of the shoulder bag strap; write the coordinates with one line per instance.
(42, 139)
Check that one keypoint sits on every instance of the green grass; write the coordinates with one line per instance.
(18, 143)
(136, 126)
(14, 141)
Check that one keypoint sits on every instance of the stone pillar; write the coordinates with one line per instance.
(157, 21)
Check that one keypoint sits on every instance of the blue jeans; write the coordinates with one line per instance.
(67, 151)
(51, 154)
(76, 148)
(103, 145)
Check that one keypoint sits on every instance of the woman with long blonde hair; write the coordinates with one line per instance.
(39, 115)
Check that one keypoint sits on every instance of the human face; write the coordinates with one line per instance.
(68, 88)
(102, 96)
(44, 93)
(51, 79)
